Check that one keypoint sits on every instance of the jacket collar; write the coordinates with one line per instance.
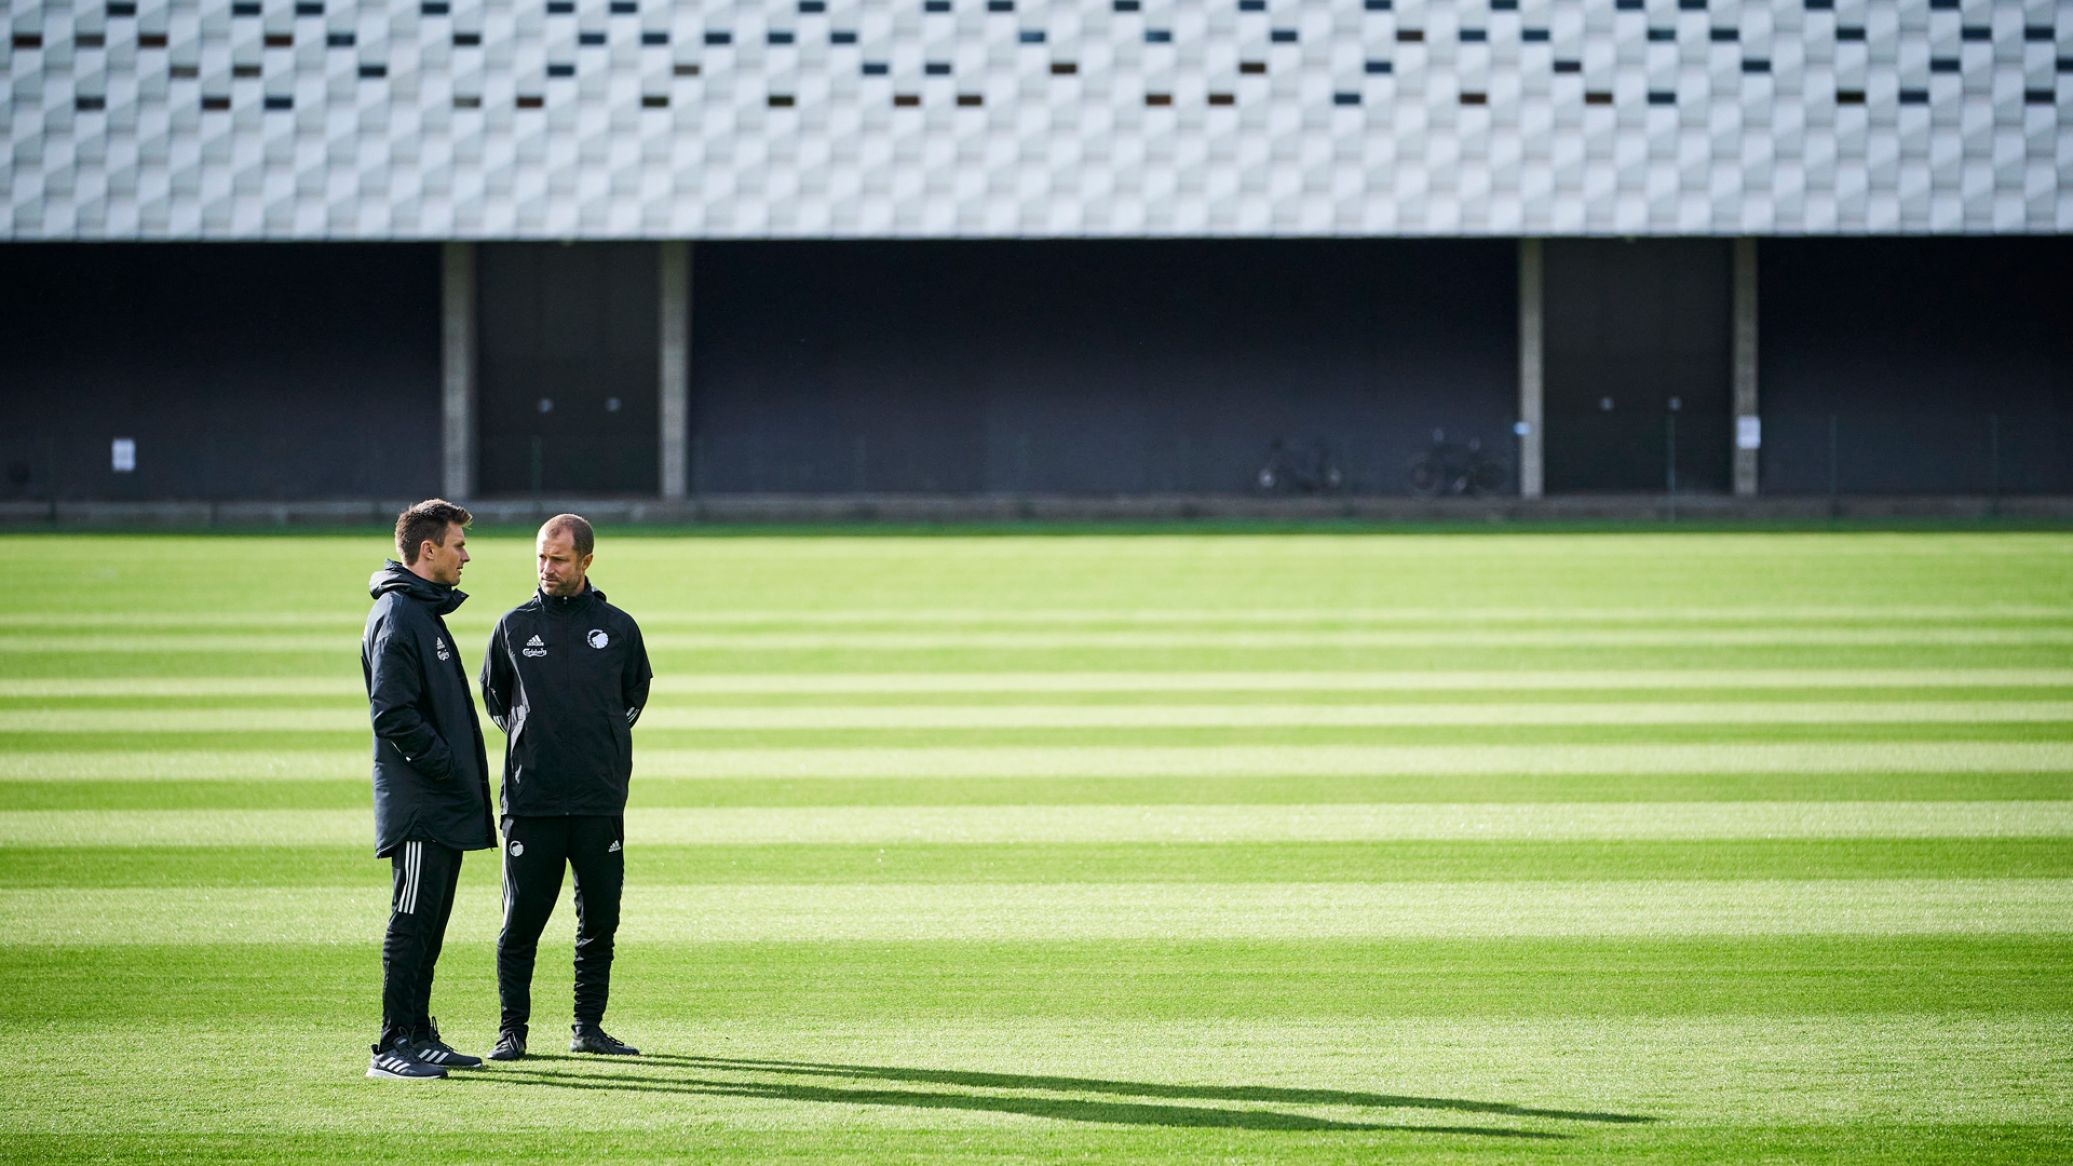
(567, 604)
(442, 598)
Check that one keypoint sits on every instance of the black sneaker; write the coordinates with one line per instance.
(396, 1063)
(592, 1038)
(426, 1046)
(510, 1047)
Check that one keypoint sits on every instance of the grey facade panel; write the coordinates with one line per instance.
(214, 120)
(238, 372)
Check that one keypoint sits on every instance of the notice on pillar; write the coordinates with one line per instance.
(1748, 433)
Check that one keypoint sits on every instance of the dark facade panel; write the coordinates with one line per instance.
(569, 371)
(1638, 365)
(240, 371)
(1917, 366)
(1091, 367)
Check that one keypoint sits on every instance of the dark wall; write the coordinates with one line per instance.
(242, 371)
(1091, 367)
(574, 329)
(1920, 356)
(1638, 364)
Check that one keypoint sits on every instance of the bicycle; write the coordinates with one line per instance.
(1459, 468)
(1309, 470)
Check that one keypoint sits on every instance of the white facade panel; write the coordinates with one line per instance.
(554, 119)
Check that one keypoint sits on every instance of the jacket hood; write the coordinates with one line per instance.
(394, 576)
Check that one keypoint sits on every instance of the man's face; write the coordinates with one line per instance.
(442, 564)
(561, 571)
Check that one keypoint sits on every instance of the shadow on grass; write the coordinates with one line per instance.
(1139, 1103)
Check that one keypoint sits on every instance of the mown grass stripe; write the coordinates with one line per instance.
(345, 640)
(1097, 740)
(228, 791)
(1723, 1089)
(694, 862)
(1790, 979)
(1064, 911)
(934, 617)
(777, 762)
(972, 717)
(1113, 823)
(345, 683)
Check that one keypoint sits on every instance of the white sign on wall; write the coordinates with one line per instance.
(1748, 433)
(124, 455)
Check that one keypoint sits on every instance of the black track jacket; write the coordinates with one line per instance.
(565, 678)
(431, 780)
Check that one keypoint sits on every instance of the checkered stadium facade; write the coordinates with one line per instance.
(581, 119)
(1035, 247)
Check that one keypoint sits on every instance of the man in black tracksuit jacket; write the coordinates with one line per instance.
(565, 677)
(431, 786)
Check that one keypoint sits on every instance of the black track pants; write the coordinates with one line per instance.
(535, 849)
(425, 875)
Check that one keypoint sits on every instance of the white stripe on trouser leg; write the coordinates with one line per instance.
(410, 873)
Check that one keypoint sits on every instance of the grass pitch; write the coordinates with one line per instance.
(1266, 847)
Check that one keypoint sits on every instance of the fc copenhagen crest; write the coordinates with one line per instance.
(598, 638)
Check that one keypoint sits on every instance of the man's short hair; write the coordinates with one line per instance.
(581, 538)
(427, 520)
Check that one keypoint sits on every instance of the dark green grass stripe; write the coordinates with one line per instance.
(1107, 1132)
(1095, 1133)
(1985, 696)
(1297, 862)
(1138, 980)
(1985, 729)
(41, 661)
(1395, 789)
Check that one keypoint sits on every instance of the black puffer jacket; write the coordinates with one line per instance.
(565, 678)
(430, 775)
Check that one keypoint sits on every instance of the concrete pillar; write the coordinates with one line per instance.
(675, 413)
(1748, 428)
(457, 369)
(1532, 338)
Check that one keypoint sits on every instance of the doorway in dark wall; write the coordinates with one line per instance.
(567, 338)
(1638, 374)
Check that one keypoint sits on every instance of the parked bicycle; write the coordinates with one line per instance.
(1298, 470)
(1461, 468)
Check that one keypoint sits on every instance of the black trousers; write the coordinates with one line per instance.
(425, 875)
(535, 850)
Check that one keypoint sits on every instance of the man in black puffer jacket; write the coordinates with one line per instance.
(565, 677)
(431, 784)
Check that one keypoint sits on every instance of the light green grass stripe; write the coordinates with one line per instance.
(263, 763)
(346, 683)
(344, 640)
(1048, 911)
(1640, 1089)
(219, 720)
(175, 621)
(887, 825)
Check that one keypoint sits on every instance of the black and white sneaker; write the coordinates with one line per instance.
(510, 1047)
(426, 1046)
(592, 1038)
(396, 1063)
